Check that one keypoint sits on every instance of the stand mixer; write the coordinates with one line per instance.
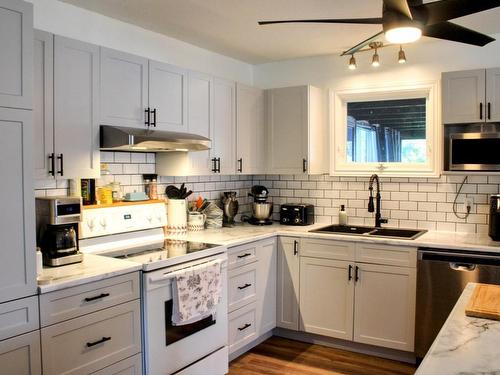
(261, 208)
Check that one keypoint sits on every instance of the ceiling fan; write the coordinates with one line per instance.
(405, 21)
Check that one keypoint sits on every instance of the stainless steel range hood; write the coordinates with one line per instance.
(115, 138)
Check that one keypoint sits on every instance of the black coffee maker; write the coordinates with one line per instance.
(57, 220)
(494, 230)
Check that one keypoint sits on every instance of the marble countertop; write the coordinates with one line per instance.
(465, 345)
(244, 233)
(93, 268)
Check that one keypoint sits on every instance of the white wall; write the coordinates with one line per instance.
(77, 23)
(426, 61)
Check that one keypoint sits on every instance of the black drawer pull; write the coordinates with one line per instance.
(244, 255)
(244, 286)
(104, 339)
(356, 274)
(244, 327)
(52, 164)
(102, 295)
(349, 276)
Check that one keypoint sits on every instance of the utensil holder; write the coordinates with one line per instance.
(176, 217)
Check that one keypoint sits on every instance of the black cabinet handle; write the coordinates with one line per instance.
(52, 160)
(489, 111)
(244, 327)
(356, 274)
(148, 116)
(304, 165)
(218, 165)
(244, 286)
(480, 111)
(295, 247)
(349, 275)
(154, 117)
(244, 255)
(240, 165)
(214, 165)
(60, 157)
(100, 296)
(104, 339)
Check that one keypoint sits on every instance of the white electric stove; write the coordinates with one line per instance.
(135, 233)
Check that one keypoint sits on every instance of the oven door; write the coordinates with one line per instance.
(474, 152)
(171, 348)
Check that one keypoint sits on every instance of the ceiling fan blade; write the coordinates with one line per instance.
(400, 7)
(456, 33)
(368, 21)
(444, 10)
(364, 43)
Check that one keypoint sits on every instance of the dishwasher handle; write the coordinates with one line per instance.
(462, 266)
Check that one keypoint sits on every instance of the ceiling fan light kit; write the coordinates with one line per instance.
(401, 55)
(403, 35)
(375, 59)
(352, 63)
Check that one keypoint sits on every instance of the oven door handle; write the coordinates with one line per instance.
(170, 275)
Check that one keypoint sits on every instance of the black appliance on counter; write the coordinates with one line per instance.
(297, 214)
(494, 220)
(57, 221)
(262, 210)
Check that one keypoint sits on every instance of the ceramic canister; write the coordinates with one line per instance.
(176, 217)
(196, 221)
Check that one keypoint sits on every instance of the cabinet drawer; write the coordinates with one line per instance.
(386, 254)
(129, 366)
(18, 317)
(242, 327)
(241, 255)
(89, 343)
(242, 288)
(70, 303)
(319, 248)
(21, 355)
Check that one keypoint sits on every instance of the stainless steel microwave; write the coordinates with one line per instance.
(474, 152)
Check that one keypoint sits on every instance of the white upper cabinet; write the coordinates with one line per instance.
(250, 130)
(493, 95)
(43, 108)
(16, 57)
(223, 134)
(124, 89)
(168, 97)
(17, 227)
(297, 131)
(76, 108)
(464, 96)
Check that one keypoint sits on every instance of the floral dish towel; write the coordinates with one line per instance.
(196, 293)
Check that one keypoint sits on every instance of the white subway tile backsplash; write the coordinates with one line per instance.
(122, 157)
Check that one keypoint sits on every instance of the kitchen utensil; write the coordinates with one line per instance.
(484, 302)
(173, 192)
(196, 221)
(230, 207)
(176, 217)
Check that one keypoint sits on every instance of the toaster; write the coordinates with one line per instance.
(297, 214)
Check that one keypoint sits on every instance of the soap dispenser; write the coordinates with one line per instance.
(342, 215)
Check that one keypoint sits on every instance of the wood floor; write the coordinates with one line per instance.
(278, 356)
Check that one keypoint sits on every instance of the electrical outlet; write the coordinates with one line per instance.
(468, 202)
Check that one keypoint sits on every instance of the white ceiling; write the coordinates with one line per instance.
(230, 27)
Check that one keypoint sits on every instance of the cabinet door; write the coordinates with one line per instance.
(385, 306)
(250, 130)
(266, 285)
(200, 119)
(43, 108)
(17, 227)
(464, 96)
(168, 96)
(287, 293)
(287, 129)
(76, 108)
(224, 129)
(326, 297)
(21, 355)
(16, 58)
(124, 89)
(493, 95)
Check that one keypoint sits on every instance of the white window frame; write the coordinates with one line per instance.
(338, 100)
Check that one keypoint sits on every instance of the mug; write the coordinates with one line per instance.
(196, 221)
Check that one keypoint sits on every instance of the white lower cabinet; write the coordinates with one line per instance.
(129, 366)
(326, 297)
(385, 306)
(287, 292)
(21, 355)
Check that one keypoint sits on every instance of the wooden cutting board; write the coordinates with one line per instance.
(484, 302)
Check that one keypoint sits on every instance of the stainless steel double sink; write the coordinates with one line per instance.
(408, 234)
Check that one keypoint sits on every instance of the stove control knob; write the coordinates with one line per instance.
(160, 257)
(149, 218)
(90, 224)
(103, 222)
(151, 260)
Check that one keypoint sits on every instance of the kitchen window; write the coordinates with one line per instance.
(388, 130)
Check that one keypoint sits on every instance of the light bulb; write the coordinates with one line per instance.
(401, 55)
(403, 35)
(375, 60)
(352, 63)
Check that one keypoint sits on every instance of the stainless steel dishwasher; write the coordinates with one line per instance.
(441, 277)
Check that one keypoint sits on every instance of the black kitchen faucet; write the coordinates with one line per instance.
(378, 217)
